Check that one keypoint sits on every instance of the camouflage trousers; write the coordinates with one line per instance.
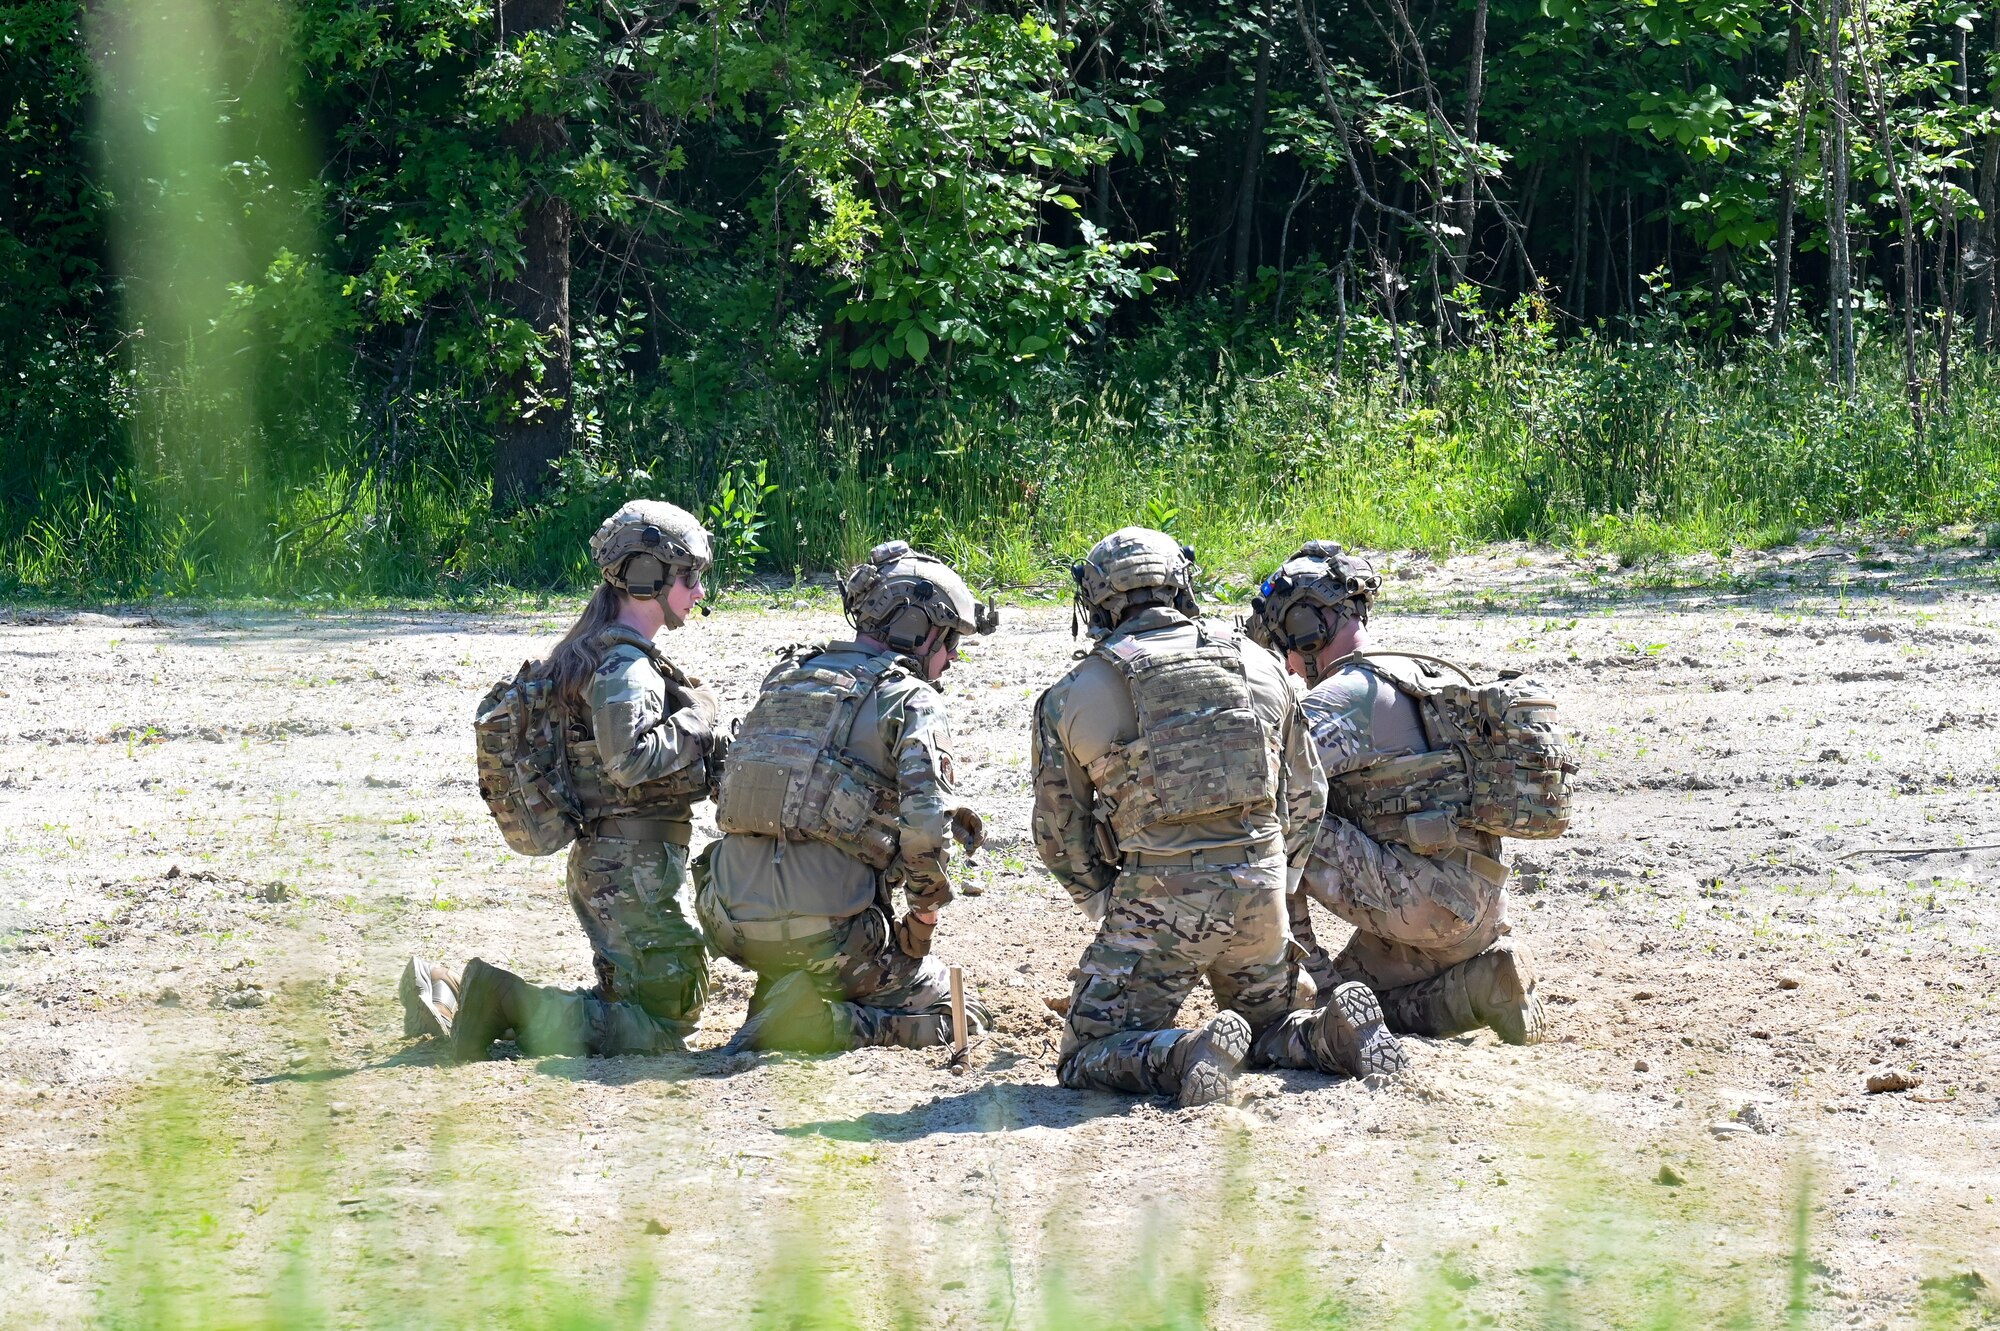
(855, 965)
(652, 974)
(1414, 916)
(1162, 933)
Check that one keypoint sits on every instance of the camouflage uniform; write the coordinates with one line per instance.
(1430, 928)
(776, 905)
(640, 750)
(1177, 900)
(632, 767)
(838, 795)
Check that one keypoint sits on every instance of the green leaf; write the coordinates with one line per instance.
(919, 344)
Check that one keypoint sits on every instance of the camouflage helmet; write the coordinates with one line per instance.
(1131, 568)
(1301, 606)
(647, 546)
(900, 595)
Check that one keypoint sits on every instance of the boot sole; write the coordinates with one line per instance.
(1211, 1069)
(422, 1018)
(1359, 1035)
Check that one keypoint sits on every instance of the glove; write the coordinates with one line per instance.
(1096, 905)
(968, 829)
(691, 723)
(913, 936)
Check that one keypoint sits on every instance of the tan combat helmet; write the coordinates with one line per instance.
(1132, 568)
(900, 595)
(647, 546)
(1302, 606)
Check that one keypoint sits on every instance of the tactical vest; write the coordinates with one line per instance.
(1497, 763)
(790, 773)
(597, 796)
(1202, 754)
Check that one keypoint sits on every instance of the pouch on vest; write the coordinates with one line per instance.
(790, 774)
(1497, 763)
(523, 763)
(1203, 754)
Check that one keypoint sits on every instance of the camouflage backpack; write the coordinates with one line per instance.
(524, 764)
(1497, 762)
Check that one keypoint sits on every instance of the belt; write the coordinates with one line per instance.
(1218, 857)
(784, 931)
(673, 831)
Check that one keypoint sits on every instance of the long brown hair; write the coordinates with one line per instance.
(573, 660)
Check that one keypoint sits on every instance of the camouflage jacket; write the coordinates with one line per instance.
(1355, 714)
(642, 753)
(1089, 711)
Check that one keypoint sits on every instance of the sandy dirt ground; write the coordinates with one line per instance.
(220, 833)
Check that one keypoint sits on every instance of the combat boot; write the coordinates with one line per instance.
(1349, 1035)
(1200, 1067)
(491, 1002)
(1494, 989)
(430, 999)
(793, 1017)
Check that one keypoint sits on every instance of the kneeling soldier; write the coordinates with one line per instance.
(837, 792)
(1175, 780)
(640, 743)
(1430, 919)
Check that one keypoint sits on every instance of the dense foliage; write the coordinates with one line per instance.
(293, 287)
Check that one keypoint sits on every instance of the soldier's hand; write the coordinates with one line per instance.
(913, 933)
(691, 723)
(968, 829)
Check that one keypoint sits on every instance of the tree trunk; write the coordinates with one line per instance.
(1246, 190)
(1579, 263)
(535, 425)
(1878, 96)
(1788, 197)
(1984, 277)
(1840, 277)
(1468, 194)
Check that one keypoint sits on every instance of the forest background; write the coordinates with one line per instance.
(364, 298)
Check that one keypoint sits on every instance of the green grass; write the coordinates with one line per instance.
(208, 1217)
(1643, 450)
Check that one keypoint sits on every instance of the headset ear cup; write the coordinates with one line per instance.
(906, 629)
(644, 575)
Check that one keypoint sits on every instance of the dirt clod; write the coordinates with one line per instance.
(1788, 981)
(1669, 1176)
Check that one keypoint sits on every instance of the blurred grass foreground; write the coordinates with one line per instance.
(215, 1218)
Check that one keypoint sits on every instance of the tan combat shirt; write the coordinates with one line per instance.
(900, 731)
(1089, 711)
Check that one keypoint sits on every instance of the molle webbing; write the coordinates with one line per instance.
(791, 772)
(1202, 754)
(1497, 764)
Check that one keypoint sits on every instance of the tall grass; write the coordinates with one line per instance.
(213, 1218)
(1635, 442)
